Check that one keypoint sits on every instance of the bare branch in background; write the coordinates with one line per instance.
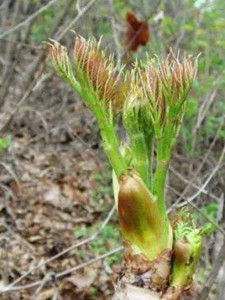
(204, 109)
(212, 174)
(28, 20)
(195, 175)
(64, 273)
(221, 282)
(30, 86)
(9, 59)
(73, 22)
(115, 31)
(213, 274)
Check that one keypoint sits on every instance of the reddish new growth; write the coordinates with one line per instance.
(168, 82)
(137, 32)
(101, 72)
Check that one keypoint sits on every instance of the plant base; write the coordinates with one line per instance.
(138, 271)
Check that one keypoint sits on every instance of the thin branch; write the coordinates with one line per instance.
(28, 20)
(221, 284)
(199, 211)
(72, 23)
(213, 274)
(202, 114)
(8, 73)
(194, 176)
(202, 188)
(181, 196)
(114, 31)
(49, 277)
(22, 101)
(35, 86)
(204, 109)
(66, 272)
(91, 261)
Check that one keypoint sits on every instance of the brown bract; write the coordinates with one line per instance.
(101, 72)
(135, 203)
(141, 223)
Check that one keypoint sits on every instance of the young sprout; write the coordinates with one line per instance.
(187, 249)
(166, 85)
(92, 73)
(61, 62)
(102, 74)
(101, 85)
(152, 101)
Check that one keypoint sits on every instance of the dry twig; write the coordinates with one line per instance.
(213, 274)
(28, 20)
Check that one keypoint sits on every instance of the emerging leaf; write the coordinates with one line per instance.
(60, 60)
(187, 250)
(166, 85)
(101, 73)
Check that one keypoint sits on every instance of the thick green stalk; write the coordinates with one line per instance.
(165, 140)
(111, 146)
(140, 157)
(164, 147)
(159, 191)
(160, 183)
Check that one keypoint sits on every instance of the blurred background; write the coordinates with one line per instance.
(59, 237)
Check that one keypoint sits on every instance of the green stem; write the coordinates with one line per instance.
(140, 153)
(165, 140)
(111, 146)
(160, 183)
(159, 190)
(160, 175)
(111, 142)
(151, 157)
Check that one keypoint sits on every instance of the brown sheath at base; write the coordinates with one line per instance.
(139, 271)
